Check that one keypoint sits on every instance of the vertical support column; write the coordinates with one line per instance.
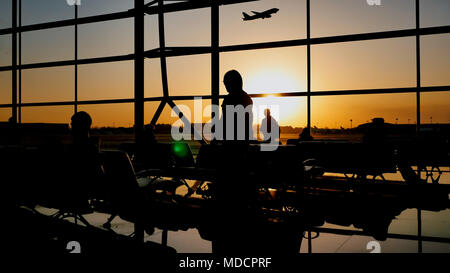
(76, 60)
(19, 110)
(418, 70)
(14, 62)
(215, 57)
(164, 237)
(162, 48)
(138, 70)
(418, 78)
(419, 230)
(308, 63)
(309, 242)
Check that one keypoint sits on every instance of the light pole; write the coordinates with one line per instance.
(351, 123)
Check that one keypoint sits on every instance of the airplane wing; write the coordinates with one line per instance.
(256, 13)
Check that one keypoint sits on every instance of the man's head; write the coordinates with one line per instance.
(81, 124)
(233, 81)
(267, 112)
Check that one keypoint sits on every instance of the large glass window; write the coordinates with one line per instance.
(98, 7)
(435, 108)
(56, 44)
(386, 63)
(48, 84)
(47, 114)
(288, 23)
(5, 50)
(350, 111)
(5, 87)
(434, 13)
(153, 82)
(103, 39)
(435, 60)
(330, 17)
(188, 28)
(106, 81)
(5, 14)
(5, 114)
(267, 70)
(110, 115)
(189, 75)
(43, 11)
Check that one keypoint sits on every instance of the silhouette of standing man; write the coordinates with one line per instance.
(236, 106)
(269, 127)
(85, 157)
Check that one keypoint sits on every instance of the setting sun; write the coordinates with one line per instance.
(272, 81)
(288, 111)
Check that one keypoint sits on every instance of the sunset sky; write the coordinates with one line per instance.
(388, 63)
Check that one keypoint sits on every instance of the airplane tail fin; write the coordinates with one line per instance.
(246, 16)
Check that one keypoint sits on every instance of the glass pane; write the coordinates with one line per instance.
(111, 123)
(5, 87)
(48, 84)
(289, 112)
(110, 115)
(5, 114)
(435, 60)
(150, 110)
(287, 24)
(42, 11)
(435, 108)
(5, 50)
(48, 45)
(367, 64)
(5, 14)
(153, 82)
(434, 13)
(346, 112)
(105, 39)
(189, 75)
(97, 7)
(106, 81)
(330, 17)
(50, 114)
(267, 70)
(188, 28)
(195, 112)
(151, 32)
(169, 117)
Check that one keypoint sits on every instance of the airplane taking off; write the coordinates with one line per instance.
(257, 15)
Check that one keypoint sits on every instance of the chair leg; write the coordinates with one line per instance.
(107, 225)
(139, 232)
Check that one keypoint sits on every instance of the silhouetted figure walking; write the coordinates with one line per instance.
(240, 109)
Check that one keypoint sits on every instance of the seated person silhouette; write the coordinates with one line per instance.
(269, 126)
(237, 109)
(305, 135)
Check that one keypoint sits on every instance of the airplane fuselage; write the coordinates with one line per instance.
(260, 15)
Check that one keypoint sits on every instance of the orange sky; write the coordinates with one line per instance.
(358, 65)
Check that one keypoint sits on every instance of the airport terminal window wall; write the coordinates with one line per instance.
(334, 59)
(311, 56)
